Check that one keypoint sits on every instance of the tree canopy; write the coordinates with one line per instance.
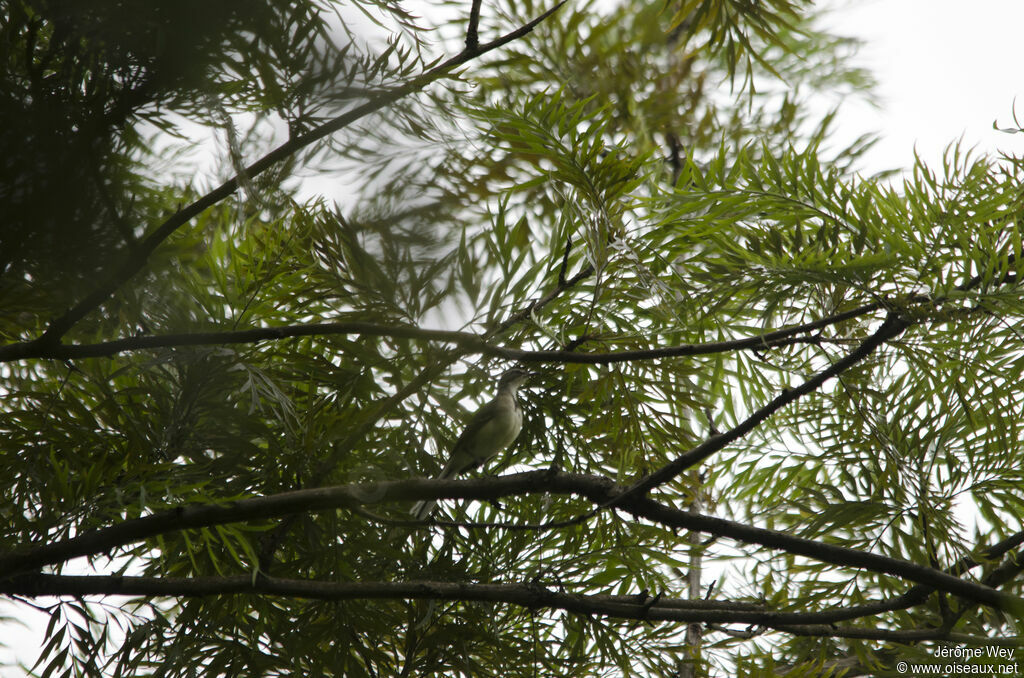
(777, 423)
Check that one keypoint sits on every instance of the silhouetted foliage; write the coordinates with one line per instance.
(778, 427)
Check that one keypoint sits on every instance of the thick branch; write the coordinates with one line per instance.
(528, 595)
(472, 30)
(597, 489)
(532, 596)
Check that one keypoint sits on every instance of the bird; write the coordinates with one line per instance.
(490, 431)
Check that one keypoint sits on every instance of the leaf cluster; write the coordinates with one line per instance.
(593, 189)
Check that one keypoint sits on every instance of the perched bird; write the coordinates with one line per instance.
(494, 427)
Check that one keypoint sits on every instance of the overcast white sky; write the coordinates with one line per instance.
(946, 69)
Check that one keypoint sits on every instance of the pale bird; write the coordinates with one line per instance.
(489, 432)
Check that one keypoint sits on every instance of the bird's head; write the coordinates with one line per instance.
(514, 378)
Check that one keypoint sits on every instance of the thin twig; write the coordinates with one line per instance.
(469, 342)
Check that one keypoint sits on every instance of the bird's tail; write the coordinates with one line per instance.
(422, 509)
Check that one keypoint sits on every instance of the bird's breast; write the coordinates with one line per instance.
(502, 430)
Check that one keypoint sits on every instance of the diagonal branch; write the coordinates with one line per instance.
(920, 592)
(893, 326)
(140, 254)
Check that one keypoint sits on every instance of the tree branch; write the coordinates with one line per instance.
(893, 326)
(472, 343)
(920, 592)
(595, 488)
(472, 34)
(140, 254)
(385, 405)
(533, 596)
